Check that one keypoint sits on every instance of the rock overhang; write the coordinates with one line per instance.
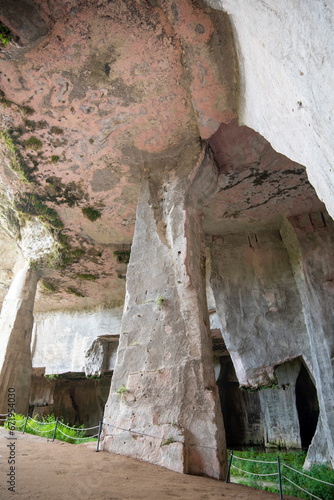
(105, 97)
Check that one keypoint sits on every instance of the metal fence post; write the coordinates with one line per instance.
(99, 434)
(25, 423)
(279, 478)
(54, 433)
(229, 467)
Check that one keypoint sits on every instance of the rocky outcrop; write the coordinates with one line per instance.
(285, 60)
(16, 325)
(163, 386)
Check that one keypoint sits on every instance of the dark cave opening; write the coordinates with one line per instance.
(307, 406)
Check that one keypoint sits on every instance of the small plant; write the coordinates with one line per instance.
(121, 391)
(75, 292)
(27, 110)
(91, 214)
(55, 158)
(87, 277)
(159, 301)
(17, 163)
(123, 256)
(53, 376)
(48, 286)
(33, 143)
(31, 204)
(5, 35)
(133, 344)
(57, 131)
(168, 441)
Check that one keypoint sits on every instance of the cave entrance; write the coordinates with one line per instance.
(307, 406)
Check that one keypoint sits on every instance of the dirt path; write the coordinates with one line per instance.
(61, 471)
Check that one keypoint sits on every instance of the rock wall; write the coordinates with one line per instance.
(61, 340)
(258, 303)
(267, 416)
(309, 240)
(79, 401)
(274, 296)
(286, 55)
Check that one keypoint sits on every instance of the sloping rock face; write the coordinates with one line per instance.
(286, 52)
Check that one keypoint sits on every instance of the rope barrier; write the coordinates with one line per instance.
(79, 428)
(134, 432)
(37, 430)
(41, 423)
(253, 473)
(158, 437)
(299, 487)
(306, 475)
(18, 426)
(257, 461)
(71, 437)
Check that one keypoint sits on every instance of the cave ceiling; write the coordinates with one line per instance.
(97, 96)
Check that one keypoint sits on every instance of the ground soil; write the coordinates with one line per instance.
(49, 470)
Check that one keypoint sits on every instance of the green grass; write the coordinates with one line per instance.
(44, 427)
(270, 483)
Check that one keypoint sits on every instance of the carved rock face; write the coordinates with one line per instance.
(97, 99)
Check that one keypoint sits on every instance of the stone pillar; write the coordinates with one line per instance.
(163, 386)
(15, 336)
(309, 240)
(279, 411)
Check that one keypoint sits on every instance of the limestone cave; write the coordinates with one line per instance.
(166, 223)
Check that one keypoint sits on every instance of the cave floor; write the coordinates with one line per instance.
(56, 470)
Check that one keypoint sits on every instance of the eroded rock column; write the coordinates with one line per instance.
(15, 336)
(309, 240)
(163, 387)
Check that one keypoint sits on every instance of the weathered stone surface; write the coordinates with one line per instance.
(163, 385)
(97, 358)
(78, 400)
(112, 89)
(104, 97)
(281, 424)
(60, 340)
(16, 325)
(258, 303)
(285, 54)
(309, 241)
(24, 19)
